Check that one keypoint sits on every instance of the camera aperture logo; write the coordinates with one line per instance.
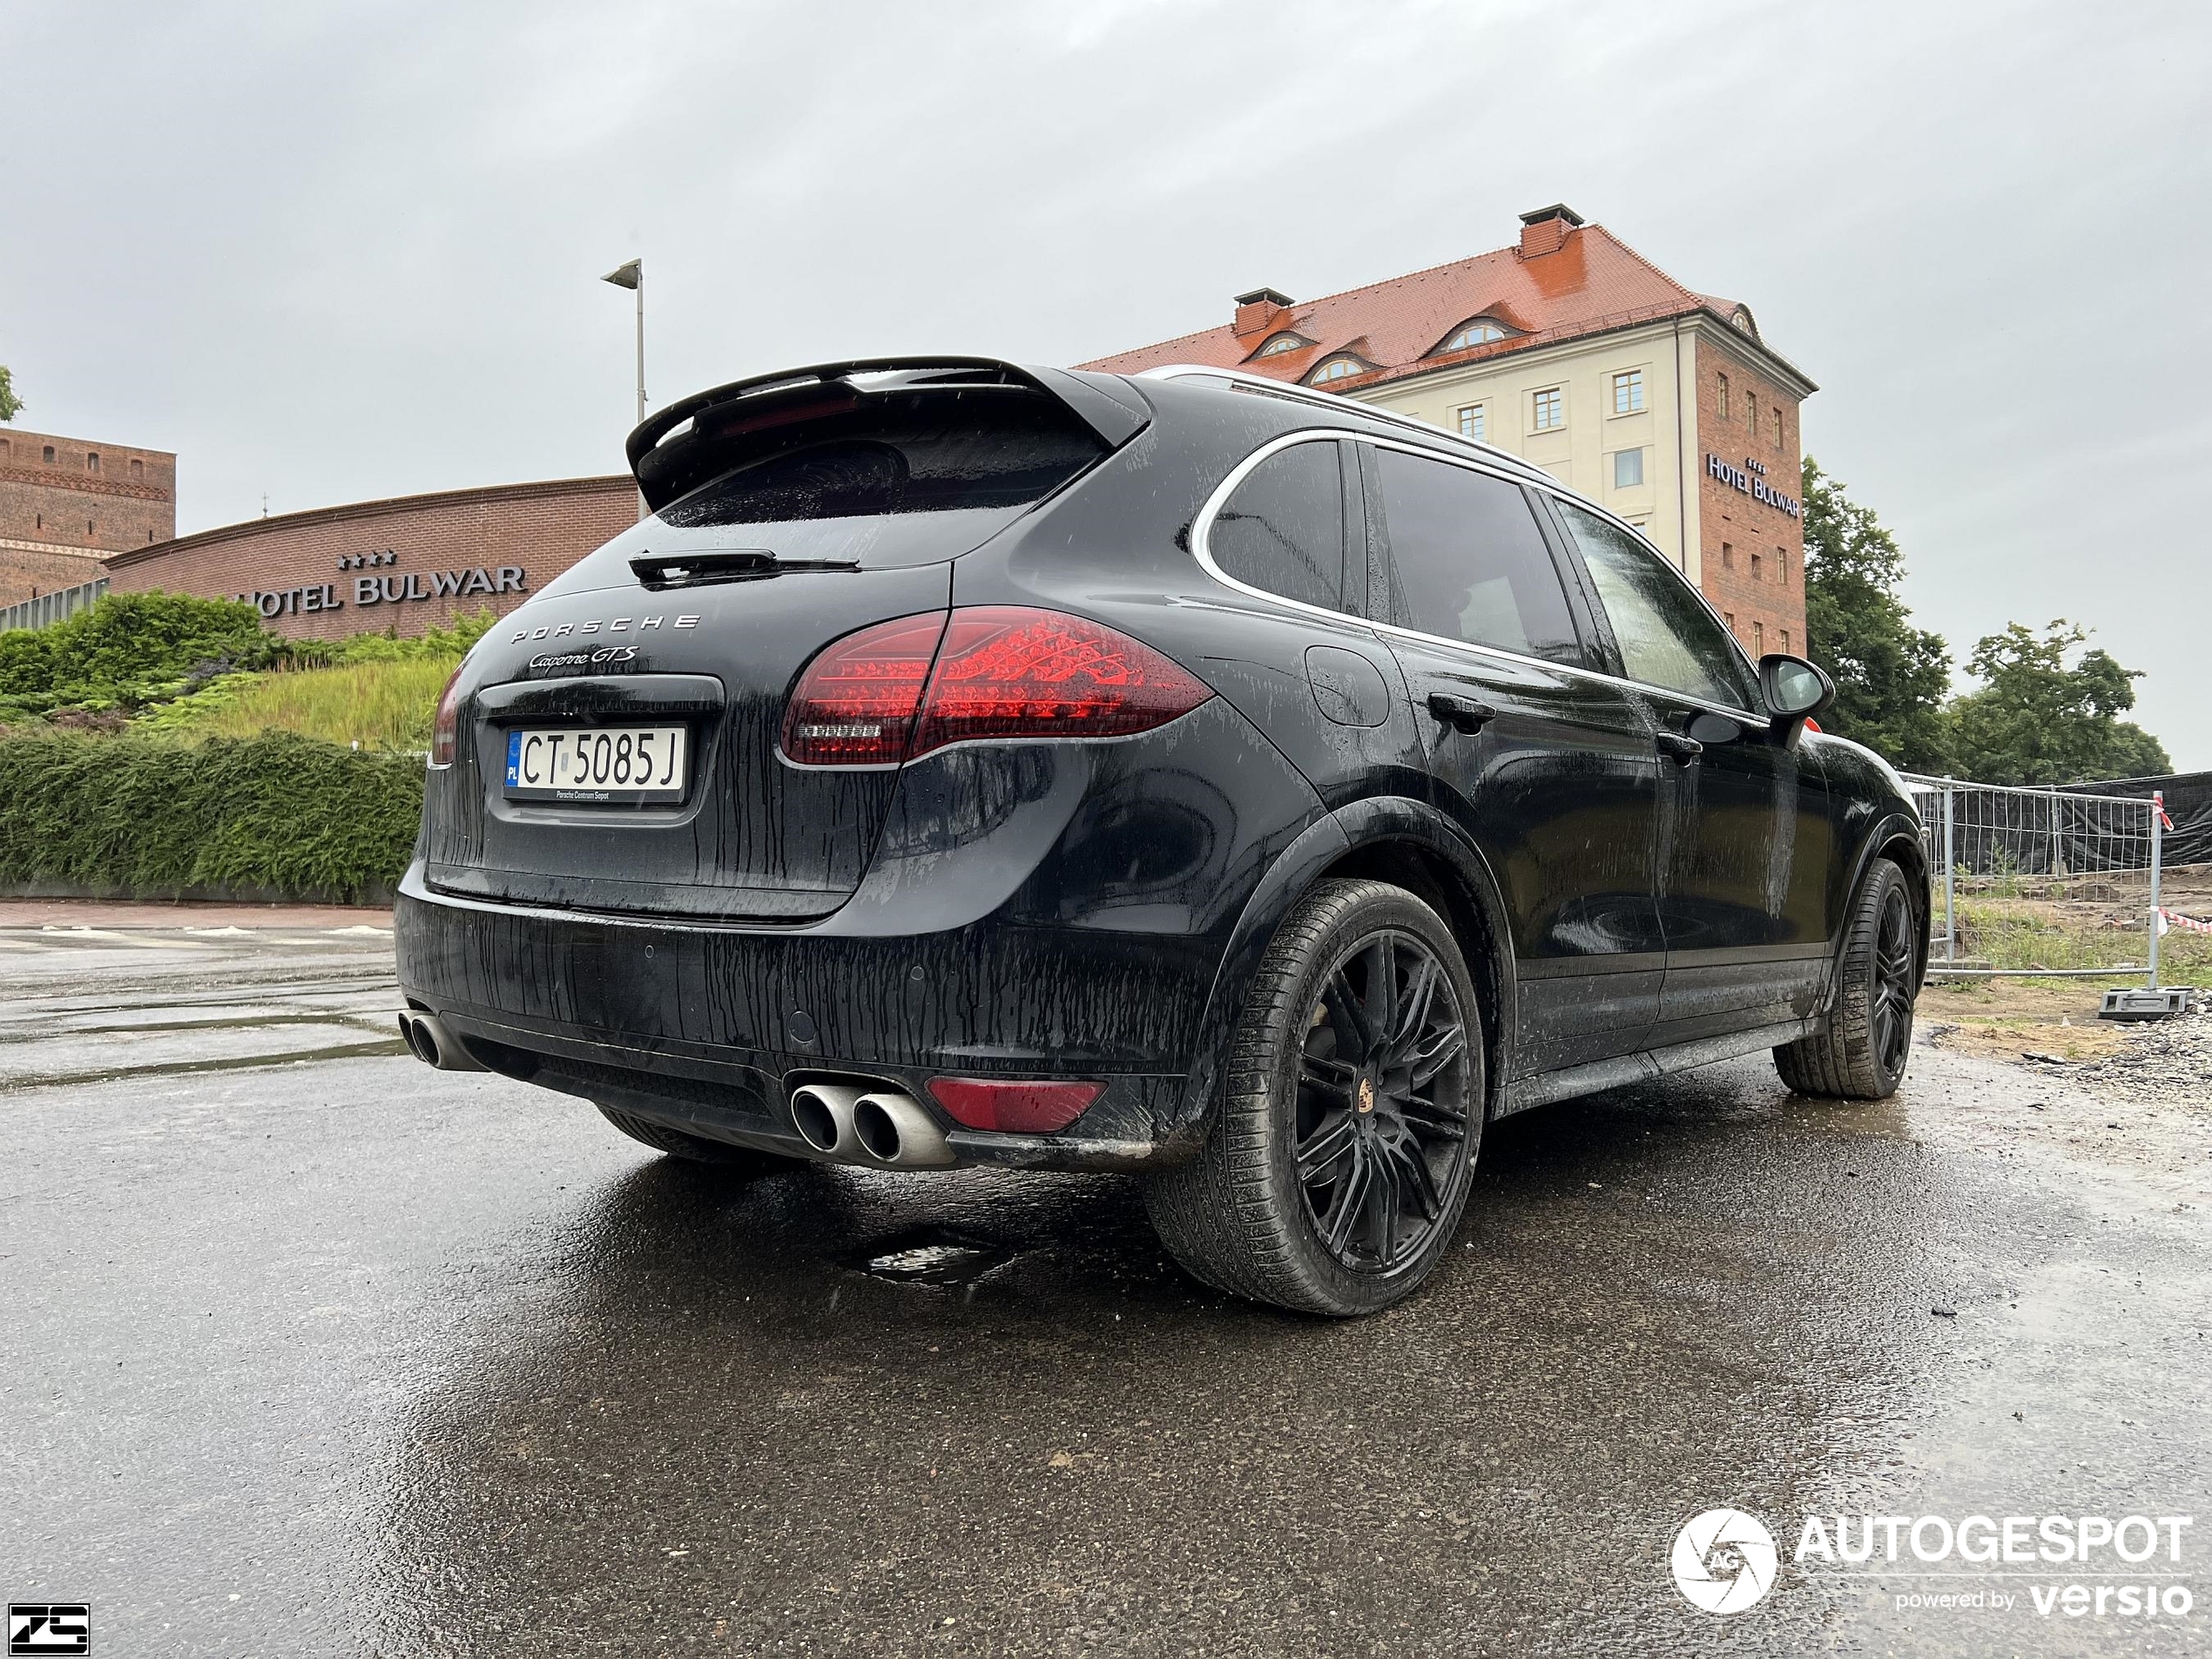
(1724, 1560)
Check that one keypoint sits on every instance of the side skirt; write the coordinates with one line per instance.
(1548, 1086)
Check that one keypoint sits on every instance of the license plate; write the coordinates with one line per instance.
(616, 765)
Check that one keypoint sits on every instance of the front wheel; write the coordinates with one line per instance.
(1863, 1054)
(1338, 1161)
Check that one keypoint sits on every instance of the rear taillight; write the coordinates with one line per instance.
(1009, 671)
(855, 704)
(445, 729)
(1000, 671)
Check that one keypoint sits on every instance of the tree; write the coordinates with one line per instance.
(1890, 677)
(10, 403)
(2037, 721)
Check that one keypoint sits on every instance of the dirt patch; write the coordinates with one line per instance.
(2052, 1026)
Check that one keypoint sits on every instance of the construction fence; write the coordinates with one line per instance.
(2061, 881)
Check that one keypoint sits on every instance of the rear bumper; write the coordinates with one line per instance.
(708, 1029)
(1030, 911)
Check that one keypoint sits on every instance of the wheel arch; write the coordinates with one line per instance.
(1393, 839)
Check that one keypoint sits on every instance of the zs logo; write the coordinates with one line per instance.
(48, 1628)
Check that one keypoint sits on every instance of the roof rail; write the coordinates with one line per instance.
(1333, 400)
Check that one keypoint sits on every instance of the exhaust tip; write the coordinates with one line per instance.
(420, 1042)
(879, 1135)
(431, 1043)
(822, 1113)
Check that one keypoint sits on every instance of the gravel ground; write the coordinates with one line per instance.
(2165, 1060)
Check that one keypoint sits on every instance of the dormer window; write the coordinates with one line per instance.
(1337, 368)
(1280, 343)
(1478, 332)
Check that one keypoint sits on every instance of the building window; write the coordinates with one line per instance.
(1627, 392)
(1758, 640)
(1776, 411)
(88, 527)
(1751, 415)
(1782, 564)
(1728, 617)
(1755, 567)
(138, 470)
(1627, 468)
(148, 536)
(1471, 422)
(1337, 368)
(1727, 556)
(1785, 641)
(6, 452)
(49, 456)
(1723, 397)
(92, 461)
(1548, 410)
(1477, 333)
(1281, 343)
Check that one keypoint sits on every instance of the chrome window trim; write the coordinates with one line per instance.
(1201, 549)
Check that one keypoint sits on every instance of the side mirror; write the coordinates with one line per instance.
(1794, 690)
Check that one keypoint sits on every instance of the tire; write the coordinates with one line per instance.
(697, 1148)
(1337, 1165)
(1864, 1053)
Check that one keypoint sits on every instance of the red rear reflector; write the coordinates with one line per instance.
(1012, 671)
(445, 727)
(1030, 1108)
(854, 705)
(1811, 725)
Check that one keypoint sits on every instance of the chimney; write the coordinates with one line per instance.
(1259, 308)
(1544, 231)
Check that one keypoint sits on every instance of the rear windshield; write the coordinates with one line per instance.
(881, 463)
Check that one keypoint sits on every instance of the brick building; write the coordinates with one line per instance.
(66, 503)
(403, 564)
(1659, 403)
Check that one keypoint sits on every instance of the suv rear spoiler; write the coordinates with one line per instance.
(674, 452)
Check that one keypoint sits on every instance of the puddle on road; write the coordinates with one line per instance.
(931, 1256)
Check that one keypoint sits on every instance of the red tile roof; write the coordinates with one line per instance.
(1594, 283)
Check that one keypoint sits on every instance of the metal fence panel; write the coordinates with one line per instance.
(2042, 881)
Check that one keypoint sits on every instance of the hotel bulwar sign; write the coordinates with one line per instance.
(484, 581)
(1753, 484)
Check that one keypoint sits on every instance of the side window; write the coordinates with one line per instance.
(1667, 636)
(1283, 529)
(1467, 561)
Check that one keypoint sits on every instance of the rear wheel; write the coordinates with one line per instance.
(1339, 1158)
(1863, 1054)
(697, 1148)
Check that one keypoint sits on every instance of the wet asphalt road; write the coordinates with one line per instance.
(314, 1351)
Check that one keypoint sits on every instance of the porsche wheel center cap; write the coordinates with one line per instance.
(1367, 1094)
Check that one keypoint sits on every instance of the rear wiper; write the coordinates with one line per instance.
(658, 571)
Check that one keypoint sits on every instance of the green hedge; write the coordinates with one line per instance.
(277, 812)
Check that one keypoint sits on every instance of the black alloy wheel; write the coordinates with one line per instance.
(1382, 1101)
(1893, 982)
(1867, 1043)
(1343, 1140)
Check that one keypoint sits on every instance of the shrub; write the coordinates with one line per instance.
(131, 649)
(277, 811)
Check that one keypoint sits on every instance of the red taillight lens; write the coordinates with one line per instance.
(1011, 671)
(1026, 1108)
(855, 704)
(445, 728)
(1811, 725)
(1000, 671)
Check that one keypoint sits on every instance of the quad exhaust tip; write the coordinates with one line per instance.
(431, 1043)
(868, 1123)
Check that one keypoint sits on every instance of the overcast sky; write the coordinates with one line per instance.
(335, 251)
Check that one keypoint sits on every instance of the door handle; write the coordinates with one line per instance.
(1460, 714)
(1680, 750)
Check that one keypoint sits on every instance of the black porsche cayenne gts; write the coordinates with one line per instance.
(1185, 774)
